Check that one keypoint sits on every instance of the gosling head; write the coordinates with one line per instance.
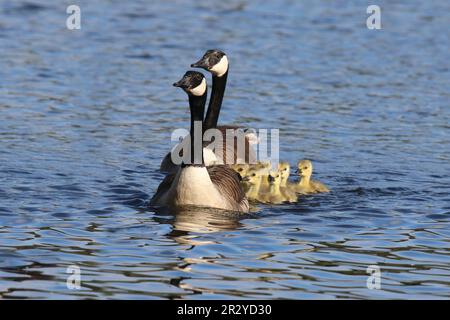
(252, 177)
(193, 83)
(264, 165)
(214, 61)
(275, 178)
(305, 168)
(240, 168)
(285, 169)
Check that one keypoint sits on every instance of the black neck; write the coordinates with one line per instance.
(215, 102)
(197, 108)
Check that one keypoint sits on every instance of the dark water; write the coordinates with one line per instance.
(86, 116)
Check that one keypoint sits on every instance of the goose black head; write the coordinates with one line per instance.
(193, 83)
(214, 61)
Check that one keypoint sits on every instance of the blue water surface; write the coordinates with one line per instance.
(86, 117)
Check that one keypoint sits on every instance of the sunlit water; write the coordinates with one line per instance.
(86, 117)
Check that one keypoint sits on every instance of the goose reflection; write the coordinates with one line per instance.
(189, 221)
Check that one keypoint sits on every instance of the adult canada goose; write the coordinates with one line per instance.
(209, 157)
(305, 185)
(216, 62)
(194, 184)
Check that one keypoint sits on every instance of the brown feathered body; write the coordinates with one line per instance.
(219, 156)
(215, 186)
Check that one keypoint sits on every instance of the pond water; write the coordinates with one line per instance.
(86, 117)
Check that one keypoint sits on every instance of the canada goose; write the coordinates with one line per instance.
(167, 164)
(285, 187)
(194, 184)
(305, 185)
(241, 168)
(274, 194)
(252, 183)
(216, 62)
(265, 165)
(285, 169)
(265, 180)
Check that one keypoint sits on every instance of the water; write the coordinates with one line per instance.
(86, 117)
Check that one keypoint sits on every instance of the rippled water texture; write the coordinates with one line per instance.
(86, 117)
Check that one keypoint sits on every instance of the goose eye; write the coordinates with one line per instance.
(305, 168)
(240, 169)
(253, 174)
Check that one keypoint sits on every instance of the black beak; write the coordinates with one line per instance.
(181, 84)
(202, 63)
(245, 179)
(270, 178)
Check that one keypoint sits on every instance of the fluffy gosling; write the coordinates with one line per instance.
(305, 185)
(252, 184)
(286, 187)
(241, 168)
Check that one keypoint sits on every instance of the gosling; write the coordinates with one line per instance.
(274, 195)
(241, 168)
(265, 180)
(286, 187)
(305, 185)
(263, 165)
(252, 184)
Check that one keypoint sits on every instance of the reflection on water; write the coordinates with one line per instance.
(189, 220)
(86, 118)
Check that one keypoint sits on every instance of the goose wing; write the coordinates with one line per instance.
(167, 165)
(227, 181)
(249, 155)
(163, 187)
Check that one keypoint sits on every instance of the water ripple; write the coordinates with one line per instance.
(87, 116)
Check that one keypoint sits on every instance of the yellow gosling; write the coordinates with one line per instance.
(305, 184)
(252, 183)
(262, 165)
(265, 183)
(241, 168)
(274, 195)
(285, 170)
(286, 187)
(266, 165)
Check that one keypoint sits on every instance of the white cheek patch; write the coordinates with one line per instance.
(220, 68)
(200, 89)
